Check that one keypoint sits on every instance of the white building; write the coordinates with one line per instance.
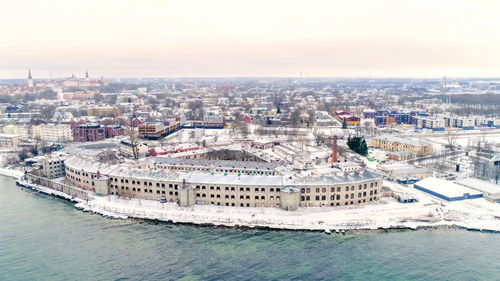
(9, 140)
(490, 191)
(56, 133)
(430, 123)
(21, 131)
(53, 166)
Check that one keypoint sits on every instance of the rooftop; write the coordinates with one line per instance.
(480, 185)
(253, 165)
(412, 142)
(444, 187)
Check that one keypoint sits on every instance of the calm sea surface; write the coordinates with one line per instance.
(44, 238)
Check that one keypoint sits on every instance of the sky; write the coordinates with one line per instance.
(254, 38)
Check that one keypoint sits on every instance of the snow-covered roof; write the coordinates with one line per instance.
(413, 142)
(480, 185)
(446, 188)
(145, 174)
(340, 178)
(89, 165)
(251, 165)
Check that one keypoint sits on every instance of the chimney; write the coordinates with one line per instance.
(98, 174)
(183, 182)
(334, 150)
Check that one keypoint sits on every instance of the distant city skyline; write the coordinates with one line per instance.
(387, 38)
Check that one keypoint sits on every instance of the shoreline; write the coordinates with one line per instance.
(327, 230)
(256, 218)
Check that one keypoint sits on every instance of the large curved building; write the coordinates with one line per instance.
(226, 186)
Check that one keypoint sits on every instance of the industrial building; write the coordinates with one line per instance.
(446, 190)
(490, 191)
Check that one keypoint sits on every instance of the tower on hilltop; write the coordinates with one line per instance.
(86, 74)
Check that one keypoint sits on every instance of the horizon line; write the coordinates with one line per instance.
(261, 77)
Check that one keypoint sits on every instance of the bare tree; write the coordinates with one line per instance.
(451, 139)
(295, 118)
(47, 112)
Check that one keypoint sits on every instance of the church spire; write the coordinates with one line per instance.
(86, 74)
(30, 79)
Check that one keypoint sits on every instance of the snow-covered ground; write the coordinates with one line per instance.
(387, 213)
(11, 173)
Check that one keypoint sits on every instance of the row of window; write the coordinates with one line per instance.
(337, 196)
(145, 183)
(242, 189)
(242, 197)
(338, 189)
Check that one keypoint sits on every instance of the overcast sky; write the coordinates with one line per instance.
(207, 38)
